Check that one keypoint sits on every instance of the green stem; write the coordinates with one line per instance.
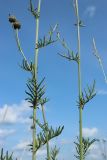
(19, 46)
(36, 65)
(45, 122)
(79, 82)
(36, 40)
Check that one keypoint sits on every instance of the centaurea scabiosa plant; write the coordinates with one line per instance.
(84, 96)
(36, 90)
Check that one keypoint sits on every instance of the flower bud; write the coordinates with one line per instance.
(16, 25)
(12, 19)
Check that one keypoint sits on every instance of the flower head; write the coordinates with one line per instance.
(16, 25)
(12, 19)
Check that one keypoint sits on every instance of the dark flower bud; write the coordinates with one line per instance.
(16, 25)
(12, 19)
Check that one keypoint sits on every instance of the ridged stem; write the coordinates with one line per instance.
(36, 65)
(79, 82)
(19, 46)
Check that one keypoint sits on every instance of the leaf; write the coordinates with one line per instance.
(70, 55)
(42, 126)
(5, 156)
(86, 143)
(36, 92)
(81, 24)
(42, 139)
(44, 42)
(54, 152)
(87, 95)
(34, 12)
(47, 40)
(27, 67)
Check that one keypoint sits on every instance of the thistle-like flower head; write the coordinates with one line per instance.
(16, 25)
(12, 18)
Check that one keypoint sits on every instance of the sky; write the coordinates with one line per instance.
(61, 75)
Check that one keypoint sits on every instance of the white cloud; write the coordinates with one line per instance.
(15, 113)
(89, 132)
(21, 150)
(94, 152)
(40, 152)
(22, 145)
(102, 92)
(90, 11)
(6, 132)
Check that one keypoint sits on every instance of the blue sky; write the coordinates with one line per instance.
(61, 75)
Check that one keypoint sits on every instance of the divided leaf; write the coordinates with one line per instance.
(86, 143)
(44, 127)
(34, 11)
(44, 42)
(35, 92)
(87, 96)
(27, 67)
(70, 55)
(47, 40)
(81, 24)
(42, 139)
(54, 153)
(6, 156)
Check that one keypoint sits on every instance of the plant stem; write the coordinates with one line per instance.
(36, 41)
(79, 82)
(19, 46)
(36, 65)
(45, 123)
